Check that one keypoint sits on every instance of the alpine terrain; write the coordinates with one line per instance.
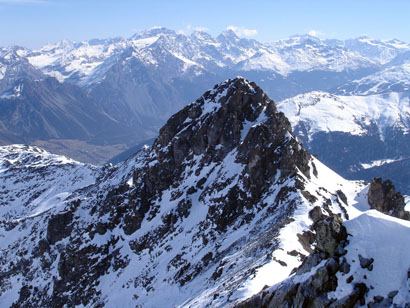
(225, 209)
(122, 90)
(358, 136)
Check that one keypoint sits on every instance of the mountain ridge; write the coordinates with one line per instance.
(134, 84)
(180, 223)
(371, 132)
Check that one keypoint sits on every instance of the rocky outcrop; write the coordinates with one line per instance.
(234, 118)
(59, 227)
(316, 277)
(332, 268)
(383, 197)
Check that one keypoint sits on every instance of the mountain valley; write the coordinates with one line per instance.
(132, 86)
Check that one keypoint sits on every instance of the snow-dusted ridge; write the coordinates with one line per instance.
(134, 84)
(325, 112)
(383, 238)
(78, 62)
(35, 181)
(391, 79)
(197, 220)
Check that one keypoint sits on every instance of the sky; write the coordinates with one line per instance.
(34, 23)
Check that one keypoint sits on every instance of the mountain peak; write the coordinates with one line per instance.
(151, 32)
(234, 121)
(235, 98)
(228, 35)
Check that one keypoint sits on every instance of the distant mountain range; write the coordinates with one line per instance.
(114, 93)
(92, 100)
(360, 137)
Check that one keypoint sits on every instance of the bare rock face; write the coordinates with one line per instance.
(234, 121)
(329, 233)
(383, 197)
(59, 227)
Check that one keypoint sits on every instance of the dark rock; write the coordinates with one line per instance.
(342, 196)
(43, 246)
(307, 238)
(254, 301)
(383, 197)
(293, 253)
(329, 233)
(316, 214)
(378, 299)
(309, 196)
(341, 251)
(308, 263)
(101, 228)
(59, 227)
(191, 190)
(381, 302)
(357, 296)
(345, 267)
(349, 279)
(365, 263)
(332, 266)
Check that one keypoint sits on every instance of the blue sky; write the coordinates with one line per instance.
(33, 23)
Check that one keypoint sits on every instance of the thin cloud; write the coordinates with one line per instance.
(189, 29)
(315, 33)
(240, 31)
(202, 29)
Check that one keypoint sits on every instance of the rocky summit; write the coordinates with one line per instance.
(226, 209)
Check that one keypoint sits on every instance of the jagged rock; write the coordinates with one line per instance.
(365, 263)
(329, 233)
(316, 214)
(380, 302)
(59, 227)
(330, 236)
(357, 296)
(383, 197)
(307, 238)
(345, 267)
(392, 294)
(332, 265)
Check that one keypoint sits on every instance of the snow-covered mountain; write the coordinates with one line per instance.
(395, 77)
(225, 202)
(78, 61)
(135, 84)
(307, 53)
(33, 181)
(14, 66)
(355, 135)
